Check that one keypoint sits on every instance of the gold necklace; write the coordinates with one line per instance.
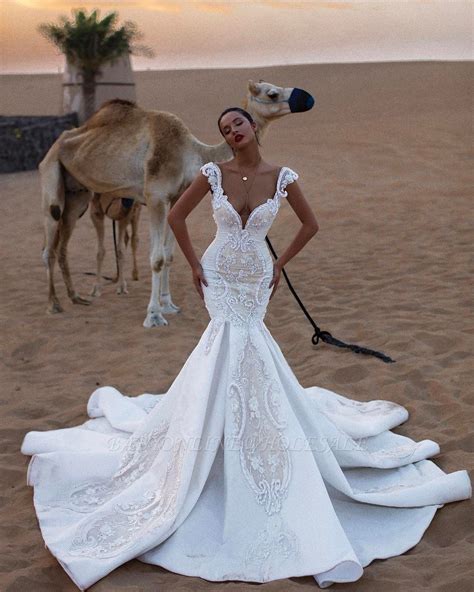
(244, 177)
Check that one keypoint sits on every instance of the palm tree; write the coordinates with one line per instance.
(89, 42)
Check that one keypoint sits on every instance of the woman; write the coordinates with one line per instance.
(237, 472)
(247, 178)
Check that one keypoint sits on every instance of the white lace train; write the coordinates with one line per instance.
(237, 472)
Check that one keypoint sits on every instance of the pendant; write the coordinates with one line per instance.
(244, 178)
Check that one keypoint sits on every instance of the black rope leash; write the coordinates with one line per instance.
(114, 232)
(325, 335)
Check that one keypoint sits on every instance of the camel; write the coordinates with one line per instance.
(148, 155)
(126, 212)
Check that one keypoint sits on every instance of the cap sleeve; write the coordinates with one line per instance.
(288, 176)
(209, 171)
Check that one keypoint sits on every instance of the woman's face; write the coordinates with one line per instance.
(237, 130)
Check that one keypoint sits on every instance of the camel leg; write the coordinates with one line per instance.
(75, 207)
(134, 238)
(97, 217)
(53, 203)
(157, 213)
(52, 229)
(167, 305)
(122, 284)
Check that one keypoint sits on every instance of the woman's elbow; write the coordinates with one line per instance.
(171, 218)
(313, 227)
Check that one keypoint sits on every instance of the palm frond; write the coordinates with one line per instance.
(89, 41)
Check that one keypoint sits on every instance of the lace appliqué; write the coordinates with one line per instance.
(288, 176)
(239, 292)
(216, 324)
(119, 528)
(210, 171)
(137, 457)
(259, 217)
(240, 267)
(240, 264)
(272, 545)
(256, 407)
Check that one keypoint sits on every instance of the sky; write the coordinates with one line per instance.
(216, 34)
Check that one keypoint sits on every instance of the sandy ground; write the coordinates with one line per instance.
(384, 160)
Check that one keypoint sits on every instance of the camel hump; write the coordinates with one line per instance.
(117, 102)
(112, 112)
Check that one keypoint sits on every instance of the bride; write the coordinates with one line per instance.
(237, 472)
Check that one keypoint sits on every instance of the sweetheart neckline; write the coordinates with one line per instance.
(270, 199)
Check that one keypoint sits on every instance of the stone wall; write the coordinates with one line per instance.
(24, 140)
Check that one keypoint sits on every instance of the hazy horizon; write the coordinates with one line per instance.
(59, 72)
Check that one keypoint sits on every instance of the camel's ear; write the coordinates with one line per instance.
(253, 88)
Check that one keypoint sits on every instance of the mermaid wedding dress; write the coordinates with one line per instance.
(237, 472)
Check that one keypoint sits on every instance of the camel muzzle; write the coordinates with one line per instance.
(300, 100)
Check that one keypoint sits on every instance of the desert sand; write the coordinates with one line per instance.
(384, 158)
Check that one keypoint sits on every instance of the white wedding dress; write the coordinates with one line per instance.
(237, 472)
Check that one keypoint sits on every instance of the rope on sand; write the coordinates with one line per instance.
(325, 335)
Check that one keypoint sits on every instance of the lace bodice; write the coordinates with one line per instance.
(260, 219)
(237, 264)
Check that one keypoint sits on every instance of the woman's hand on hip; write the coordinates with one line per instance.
(275, 278)
(198, 278)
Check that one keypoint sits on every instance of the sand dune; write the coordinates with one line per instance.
(384, 158)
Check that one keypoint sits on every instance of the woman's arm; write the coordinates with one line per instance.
(309, 227)
(309, 224)
(177, 215)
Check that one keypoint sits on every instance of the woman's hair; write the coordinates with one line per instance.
(242, 112)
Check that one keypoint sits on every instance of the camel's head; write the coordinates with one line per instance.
(268, 101)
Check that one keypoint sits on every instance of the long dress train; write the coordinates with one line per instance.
(237, 472)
